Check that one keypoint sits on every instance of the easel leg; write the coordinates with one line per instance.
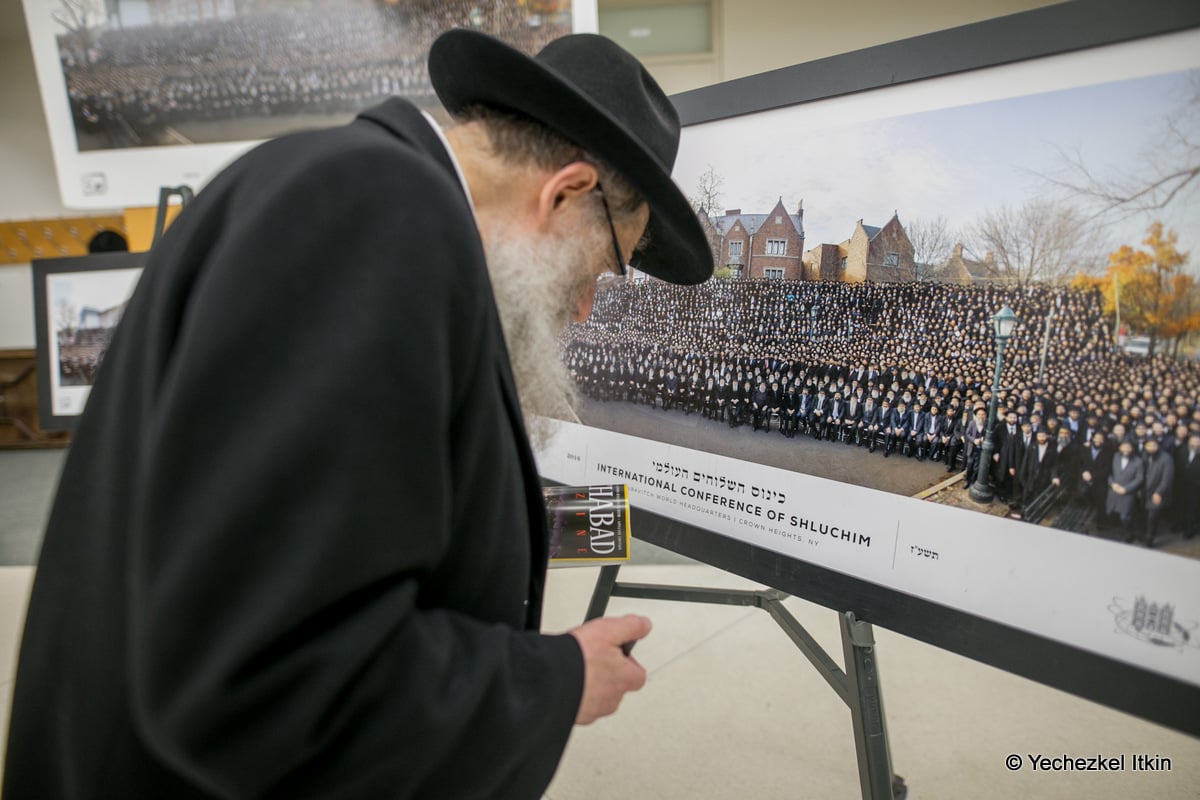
(603, 591)
(865, 699)
(858, 686)
(165, 193)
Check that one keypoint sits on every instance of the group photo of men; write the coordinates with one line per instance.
(1086, 437)
(169, 73)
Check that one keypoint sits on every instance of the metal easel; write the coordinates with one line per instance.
(857, 686)
(165, 193)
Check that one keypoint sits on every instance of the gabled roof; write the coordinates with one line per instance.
(751, 222)
(102, 311)
(872, 231)
(978, 269)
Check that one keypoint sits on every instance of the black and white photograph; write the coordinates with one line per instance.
(168, 91)
(150, 74)
(78, 304)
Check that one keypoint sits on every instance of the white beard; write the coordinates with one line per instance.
(537, 284)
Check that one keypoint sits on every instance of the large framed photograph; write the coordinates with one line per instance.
(866, 236)
(77, 305)
(139, 95)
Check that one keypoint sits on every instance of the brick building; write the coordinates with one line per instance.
(960, 269)
(870, 254)
(758, 245)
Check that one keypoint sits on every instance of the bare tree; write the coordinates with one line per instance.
(707, 200)
(932, 243)
(708, 191)
(64, 320)
(1042, 241)
(77, 17)
(1169, 166)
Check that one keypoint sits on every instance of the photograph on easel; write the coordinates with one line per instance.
(855, 329)
(949, 243)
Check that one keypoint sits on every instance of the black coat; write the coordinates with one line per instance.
(932, 425)
(870, 416)
(1011, 449)
(1098, 467)
(1036, 473)
(298, 547)
(1160, 477)
(1187, 473)
(854, 412)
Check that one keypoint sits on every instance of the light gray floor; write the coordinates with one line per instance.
(27, 482)
(731, 708)
(732, 711)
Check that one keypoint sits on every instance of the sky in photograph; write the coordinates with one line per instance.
(958, 163)
(99, 289)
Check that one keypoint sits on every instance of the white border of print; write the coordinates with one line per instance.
(991, 567)
(132, 177)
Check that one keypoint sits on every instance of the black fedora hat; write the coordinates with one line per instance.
(589, 90)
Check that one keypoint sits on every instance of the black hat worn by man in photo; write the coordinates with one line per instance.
(272, 568)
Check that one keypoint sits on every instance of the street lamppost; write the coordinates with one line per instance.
(1002, 328)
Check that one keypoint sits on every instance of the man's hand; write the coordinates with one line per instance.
(607, 672)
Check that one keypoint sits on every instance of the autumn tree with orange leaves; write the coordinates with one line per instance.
(1156, 297)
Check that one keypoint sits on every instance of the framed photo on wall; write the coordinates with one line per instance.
(140, 95)
(77, 305)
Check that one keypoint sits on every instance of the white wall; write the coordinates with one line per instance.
(762, 35)
(28, 189)
(754, 36)
(16, 307)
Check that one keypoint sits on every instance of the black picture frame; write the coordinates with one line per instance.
(63, 416)
(1047, 31)
(1051, 30)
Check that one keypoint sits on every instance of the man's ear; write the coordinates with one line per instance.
(569, 183)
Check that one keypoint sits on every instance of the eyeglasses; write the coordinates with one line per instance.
(611, 229)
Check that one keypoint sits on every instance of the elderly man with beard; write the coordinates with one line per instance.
(273, 569)
(1187, 472)
(1094, 463)
(1156, 492)
(1125, 480)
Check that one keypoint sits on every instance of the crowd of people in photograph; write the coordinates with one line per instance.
(906, 370)
(80, 355)
(331, 59)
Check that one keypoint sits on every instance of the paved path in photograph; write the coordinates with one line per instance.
(835, 460)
